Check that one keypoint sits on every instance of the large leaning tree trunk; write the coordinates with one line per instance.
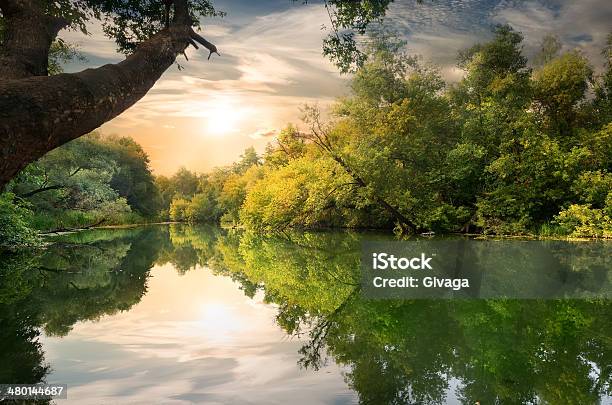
(39, 112)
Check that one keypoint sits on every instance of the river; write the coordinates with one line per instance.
(176, 314)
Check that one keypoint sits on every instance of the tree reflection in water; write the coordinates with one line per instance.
(395, 351)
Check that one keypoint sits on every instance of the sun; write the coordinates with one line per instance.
(223, 119)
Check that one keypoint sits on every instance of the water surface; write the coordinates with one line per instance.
(177, 314)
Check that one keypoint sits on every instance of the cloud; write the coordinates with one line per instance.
(271, 63)
(263, 133)
(581, 25)
(96, 47)
(267, 69)
(438, 30)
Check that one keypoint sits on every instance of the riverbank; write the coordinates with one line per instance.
(483, 236)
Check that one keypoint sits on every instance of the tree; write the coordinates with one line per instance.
(289, 144)
(132, 178)
(65, 106)
(178, 208)
(349, 19)
(202, 208)
(247, 159)
(549, 49)
(14, 229)
(559, 86)
(303, 193)
(602, 102)
(506, 150)
(234, 192)
(66, 168)
(184, 183)
(87, 180)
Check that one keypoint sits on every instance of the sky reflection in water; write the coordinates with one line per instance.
(193, 338)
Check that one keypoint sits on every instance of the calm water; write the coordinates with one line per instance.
(177, 314)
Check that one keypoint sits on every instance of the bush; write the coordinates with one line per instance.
(15, 231)
(116, 212)
(593, 187)
(178, 208)
(201, 208)
(581, 220)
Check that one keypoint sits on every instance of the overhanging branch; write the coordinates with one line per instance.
(39, 113)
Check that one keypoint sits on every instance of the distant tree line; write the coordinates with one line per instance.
(512, 148)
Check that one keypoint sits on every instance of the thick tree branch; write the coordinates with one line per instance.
(41, 190)
(27, 38)
(38, 114)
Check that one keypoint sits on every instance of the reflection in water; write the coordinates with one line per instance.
(392, 351)
(91, 275)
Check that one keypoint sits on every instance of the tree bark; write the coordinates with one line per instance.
(27, 38)
(40, 113)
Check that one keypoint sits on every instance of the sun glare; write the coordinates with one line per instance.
(220, 321)
(223, 119)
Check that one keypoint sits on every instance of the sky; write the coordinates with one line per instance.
(271, 64)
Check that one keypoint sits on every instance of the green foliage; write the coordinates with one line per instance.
(581, 220)
(235, 190)
(297, 194)
(15, 230)
(62, 52)
(132, 21)
(126, 21)
(129, 22)
(594, 188)
(184, 183)
(506, 150)
(178, 207)
(532, 179)
(288, 145)
(209, 197)
(132, 178)
(350, 19)
(559, 86)
(201, 208)
(88, 180)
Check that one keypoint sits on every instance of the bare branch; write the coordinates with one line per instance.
(41, 190)
(198, 38)
(193, 43)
